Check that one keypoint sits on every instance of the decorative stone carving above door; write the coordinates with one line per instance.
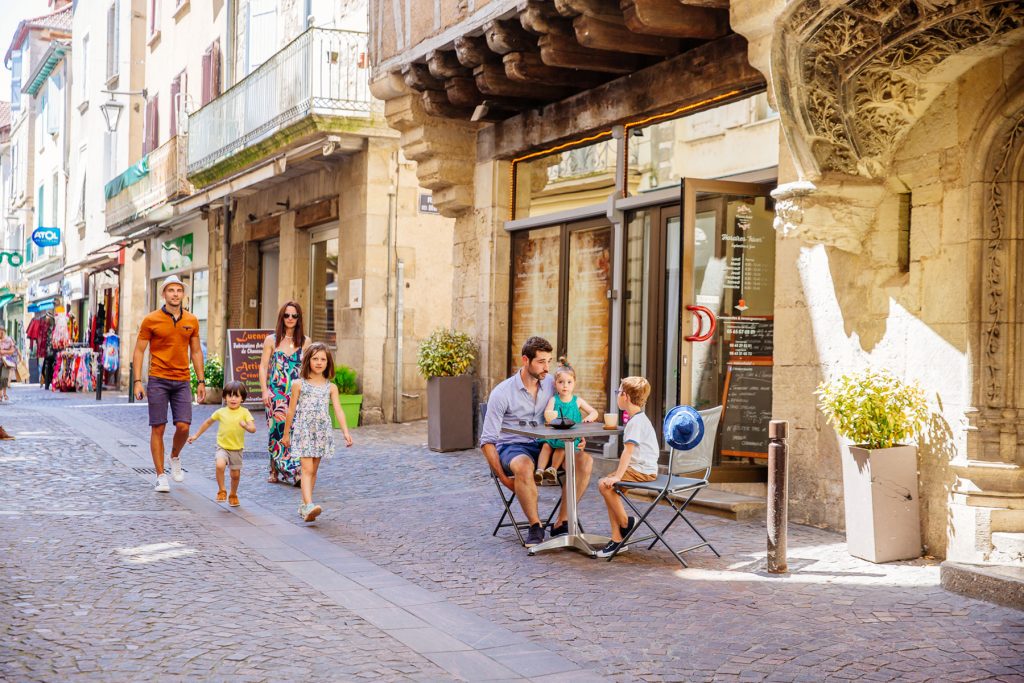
(852, 77)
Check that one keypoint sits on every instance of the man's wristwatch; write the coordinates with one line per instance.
(139, 381)
(201, 381)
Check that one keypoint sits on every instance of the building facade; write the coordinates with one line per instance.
(821, 246)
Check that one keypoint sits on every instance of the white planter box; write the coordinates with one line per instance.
(883, 517)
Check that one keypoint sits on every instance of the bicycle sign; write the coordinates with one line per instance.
(13, 258)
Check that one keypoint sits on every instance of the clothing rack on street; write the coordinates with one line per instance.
(75, 368)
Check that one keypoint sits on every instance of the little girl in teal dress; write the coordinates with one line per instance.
(565, 404)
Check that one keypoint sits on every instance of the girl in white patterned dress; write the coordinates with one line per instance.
(312, 394)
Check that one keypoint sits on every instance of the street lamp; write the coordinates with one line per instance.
(111, 113)
(112, 108)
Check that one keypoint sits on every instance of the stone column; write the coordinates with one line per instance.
(216, 332)
(293, 267)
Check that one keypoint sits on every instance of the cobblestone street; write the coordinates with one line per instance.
(400, 578)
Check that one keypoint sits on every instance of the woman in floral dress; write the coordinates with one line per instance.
(282, 356)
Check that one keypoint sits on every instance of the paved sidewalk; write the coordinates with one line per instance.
(401, 578)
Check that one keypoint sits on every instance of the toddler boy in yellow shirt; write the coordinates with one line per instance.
(234, 422)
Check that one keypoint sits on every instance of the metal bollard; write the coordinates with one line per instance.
(131, 383)
(778, 496)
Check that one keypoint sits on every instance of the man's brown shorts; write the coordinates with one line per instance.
(633, 475)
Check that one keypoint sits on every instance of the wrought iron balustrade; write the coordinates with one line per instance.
(323, 72)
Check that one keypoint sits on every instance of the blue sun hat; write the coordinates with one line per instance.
(684, 428)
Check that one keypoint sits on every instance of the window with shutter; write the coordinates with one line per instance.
(55, 103)
(154, 17)
(175, 98)
(207, 85)
(113, 40)
(215, 71)
(261, 33)
(16, 80)
(83, 73)
(152, 136)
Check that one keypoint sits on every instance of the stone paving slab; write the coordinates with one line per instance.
(426, 519)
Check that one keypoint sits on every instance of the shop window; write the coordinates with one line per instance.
(323, 288)
(201, 302)
(570, 179)
(560, 284)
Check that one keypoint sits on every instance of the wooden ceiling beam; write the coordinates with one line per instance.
(713, 4)
(462, 92)
(541, 17)
(564, 52)
(446, 65)
(437, 104)
(671, 19)
(492, 81)
(472, 51)
(419, 78)
(509, 36)
(590, 8)
(527, 67)
(601, 34)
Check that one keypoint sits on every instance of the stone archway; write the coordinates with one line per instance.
(851, 77)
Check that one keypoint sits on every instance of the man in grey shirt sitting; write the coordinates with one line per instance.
(519, 401)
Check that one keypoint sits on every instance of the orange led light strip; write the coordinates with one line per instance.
(604, 134)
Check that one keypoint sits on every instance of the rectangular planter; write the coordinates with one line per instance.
(450, 413)
(350, 405)
(883, 517)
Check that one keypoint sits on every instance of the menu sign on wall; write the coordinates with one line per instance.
(748, 410)
(245, 348)
(752, 337)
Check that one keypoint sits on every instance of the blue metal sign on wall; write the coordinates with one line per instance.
(46, 237)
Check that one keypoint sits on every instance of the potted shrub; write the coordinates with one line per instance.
(445, 358)
(348, 395)
(879, 415)
(213, 374)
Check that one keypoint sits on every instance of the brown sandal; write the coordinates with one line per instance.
(272, 479)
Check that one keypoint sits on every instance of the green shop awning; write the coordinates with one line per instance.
(134, 174)
(6, 299)
(50, 61)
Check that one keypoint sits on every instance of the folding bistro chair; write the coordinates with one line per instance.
(676, 490)
(507, 500)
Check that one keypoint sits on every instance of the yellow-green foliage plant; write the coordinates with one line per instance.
(446, 353)
(873, 408)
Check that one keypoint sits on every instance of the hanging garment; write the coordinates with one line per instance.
(111, 352)
(61, 336)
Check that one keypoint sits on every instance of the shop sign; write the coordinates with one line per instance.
(38, 291)
(12, 258)
(46, 237)
(245, 349)
(176, 254)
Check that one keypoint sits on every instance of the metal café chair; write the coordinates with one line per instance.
(674, 489)
(507, 500)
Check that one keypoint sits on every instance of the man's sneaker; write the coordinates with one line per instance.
(535, 536)
(176, 472)
(233, 500)
(311, 512)
(222, 495)
(551, 476)
(538, 477)
(162, 485)
(610, 548)
(630, 525)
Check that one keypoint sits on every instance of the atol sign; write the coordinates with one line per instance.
(46, 237)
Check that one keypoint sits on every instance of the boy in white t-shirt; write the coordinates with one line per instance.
(639, 460)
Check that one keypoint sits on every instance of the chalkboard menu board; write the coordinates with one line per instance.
(245, 348)
(748, 409)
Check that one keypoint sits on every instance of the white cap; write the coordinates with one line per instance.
(171, 280)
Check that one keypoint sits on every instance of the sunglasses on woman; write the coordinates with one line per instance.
(294, 316)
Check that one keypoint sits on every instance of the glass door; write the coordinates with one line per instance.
(728, 295)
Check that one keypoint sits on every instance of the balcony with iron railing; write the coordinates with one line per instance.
(156, 179)
(318, 82)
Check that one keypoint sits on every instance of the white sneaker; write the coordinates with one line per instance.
(162, 485)
(176, 472)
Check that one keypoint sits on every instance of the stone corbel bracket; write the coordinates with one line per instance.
(839, 215)
(444, 150)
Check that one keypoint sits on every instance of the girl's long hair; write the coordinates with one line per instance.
(299, 338)
(564, 367)
(305, 371)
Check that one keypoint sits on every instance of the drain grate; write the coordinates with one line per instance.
(151, 470)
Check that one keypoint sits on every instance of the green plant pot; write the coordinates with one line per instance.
(350, 404)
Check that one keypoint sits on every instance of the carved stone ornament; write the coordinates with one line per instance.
(789, 210)
(851, 77)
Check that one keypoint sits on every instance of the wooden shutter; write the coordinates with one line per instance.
(151, 140)
(215, 70)
(207, 87)
(175, 92)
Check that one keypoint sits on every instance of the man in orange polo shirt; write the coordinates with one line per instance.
(172, 335)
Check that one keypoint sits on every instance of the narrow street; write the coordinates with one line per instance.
(103, 579)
